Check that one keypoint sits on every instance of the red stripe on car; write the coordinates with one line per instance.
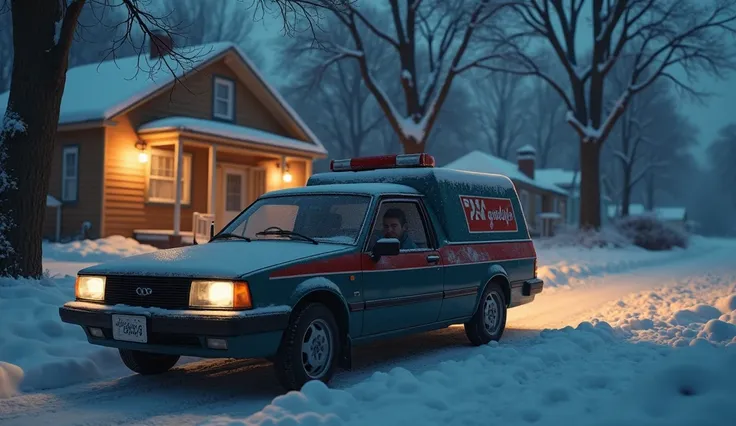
(450, 255)
(479, 253)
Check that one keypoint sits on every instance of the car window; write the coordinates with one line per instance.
(326, 218)
(402, 220)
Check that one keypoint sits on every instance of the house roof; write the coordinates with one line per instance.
(559, 177)
(229, 131)
(664, 213)
(100, 91)
(478, 161)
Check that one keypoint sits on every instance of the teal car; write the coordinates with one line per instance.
(379, 247)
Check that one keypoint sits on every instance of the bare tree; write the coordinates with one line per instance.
(202, 23)
(43, 32)
(668, 35)
(501, 110)
(722, 156)
(334, 99)
(6, 50)
(445, 28)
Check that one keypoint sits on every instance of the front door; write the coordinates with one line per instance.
(233, 194)
(402, 291)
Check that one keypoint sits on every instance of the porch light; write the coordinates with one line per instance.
(285, 175)
(142, 155)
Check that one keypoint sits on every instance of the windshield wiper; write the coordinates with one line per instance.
(229, 235)
(275, 230)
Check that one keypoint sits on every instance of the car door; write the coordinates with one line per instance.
(405, 290)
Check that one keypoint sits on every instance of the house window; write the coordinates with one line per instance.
(538, 203)
(223, 106)
(162, 177)
(70, 173)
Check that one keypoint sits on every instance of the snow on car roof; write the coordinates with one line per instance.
(350, 188)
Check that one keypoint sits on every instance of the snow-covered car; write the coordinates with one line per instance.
(378, 247)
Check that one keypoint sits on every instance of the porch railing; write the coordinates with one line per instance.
(201, 226)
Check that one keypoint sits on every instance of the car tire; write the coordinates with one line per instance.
(309, 348)
(489, 320)
(147, 363)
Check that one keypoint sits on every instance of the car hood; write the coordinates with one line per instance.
(227, 259)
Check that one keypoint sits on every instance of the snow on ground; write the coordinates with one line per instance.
(566, 266)
(593, 373)
(100, 250)
(37, 350)
(665, 356)
(49, 352)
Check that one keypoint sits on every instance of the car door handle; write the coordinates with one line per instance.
(433, 258)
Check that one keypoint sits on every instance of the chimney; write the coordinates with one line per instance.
(161, 44)
(526, 158)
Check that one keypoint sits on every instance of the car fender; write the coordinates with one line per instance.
(494, 271)
(314, 284)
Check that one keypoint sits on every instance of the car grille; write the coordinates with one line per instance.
(166, 292)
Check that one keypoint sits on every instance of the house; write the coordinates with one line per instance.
(139, 156)
(544, 203)
(569, 180)
(676, 216)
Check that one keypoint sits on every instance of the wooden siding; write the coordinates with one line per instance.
(88, 206)
(125, 205)
(195, 99)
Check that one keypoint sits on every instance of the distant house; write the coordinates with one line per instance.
(569, 180)
(544, 203)
(135, 158)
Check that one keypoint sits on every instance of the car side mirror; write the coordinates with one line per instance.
(386, 247)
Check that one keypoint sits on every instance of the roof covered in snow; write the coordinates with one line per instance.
(559, 177)
(100, 91)
(349, 188)
(230, 131)
(664, 213)
(480, 162)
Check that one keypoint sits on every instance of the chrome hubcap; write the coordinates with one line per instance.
(316, 349)
(492, 314)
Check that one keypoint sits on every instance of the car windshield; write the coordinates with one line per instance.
(309, 218)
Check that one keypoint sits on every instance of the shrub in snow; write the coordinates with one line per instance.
(569, 236)
(11, 124)
(650, 233)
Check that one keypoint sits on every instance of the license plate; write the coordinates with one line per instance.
(130, 328)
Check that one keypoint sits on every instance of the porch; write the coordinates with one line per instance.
(197, 178)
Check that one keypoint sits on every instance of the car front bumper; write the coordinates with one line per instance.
(248, 334)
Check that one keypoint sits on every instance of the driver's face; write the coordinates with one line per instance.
(392, 228)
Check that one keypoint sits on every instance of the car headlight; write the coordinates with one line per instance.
(90, 288)
(219, 294)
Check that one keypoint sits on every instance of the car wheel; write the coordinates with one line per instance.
(489, 320)
(147, 363)
(309, 348)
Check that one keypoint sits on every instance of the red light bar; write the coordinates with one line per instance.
(382, 162)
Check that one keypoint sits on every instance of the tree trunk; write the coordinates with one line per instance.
(39, 75)
(626, 194)
(411, 147)
(650, 192)
(590, 185)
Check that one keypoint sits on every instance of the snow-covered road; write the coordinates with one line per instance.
(194, 393)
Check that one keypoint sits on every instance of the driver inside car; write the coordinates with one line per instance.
(395, 226)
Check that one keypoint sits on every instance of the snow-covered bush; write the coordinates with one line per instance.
(650, 233)
(11, 123)
(574, 237)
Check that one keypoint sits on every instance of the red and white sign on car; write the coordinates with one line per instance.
(487, 214)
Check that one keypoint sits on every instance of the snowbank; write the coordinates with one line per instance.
(699, 312)
(570, 376)
(100, 250)
(565, 266)
(37, 350)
